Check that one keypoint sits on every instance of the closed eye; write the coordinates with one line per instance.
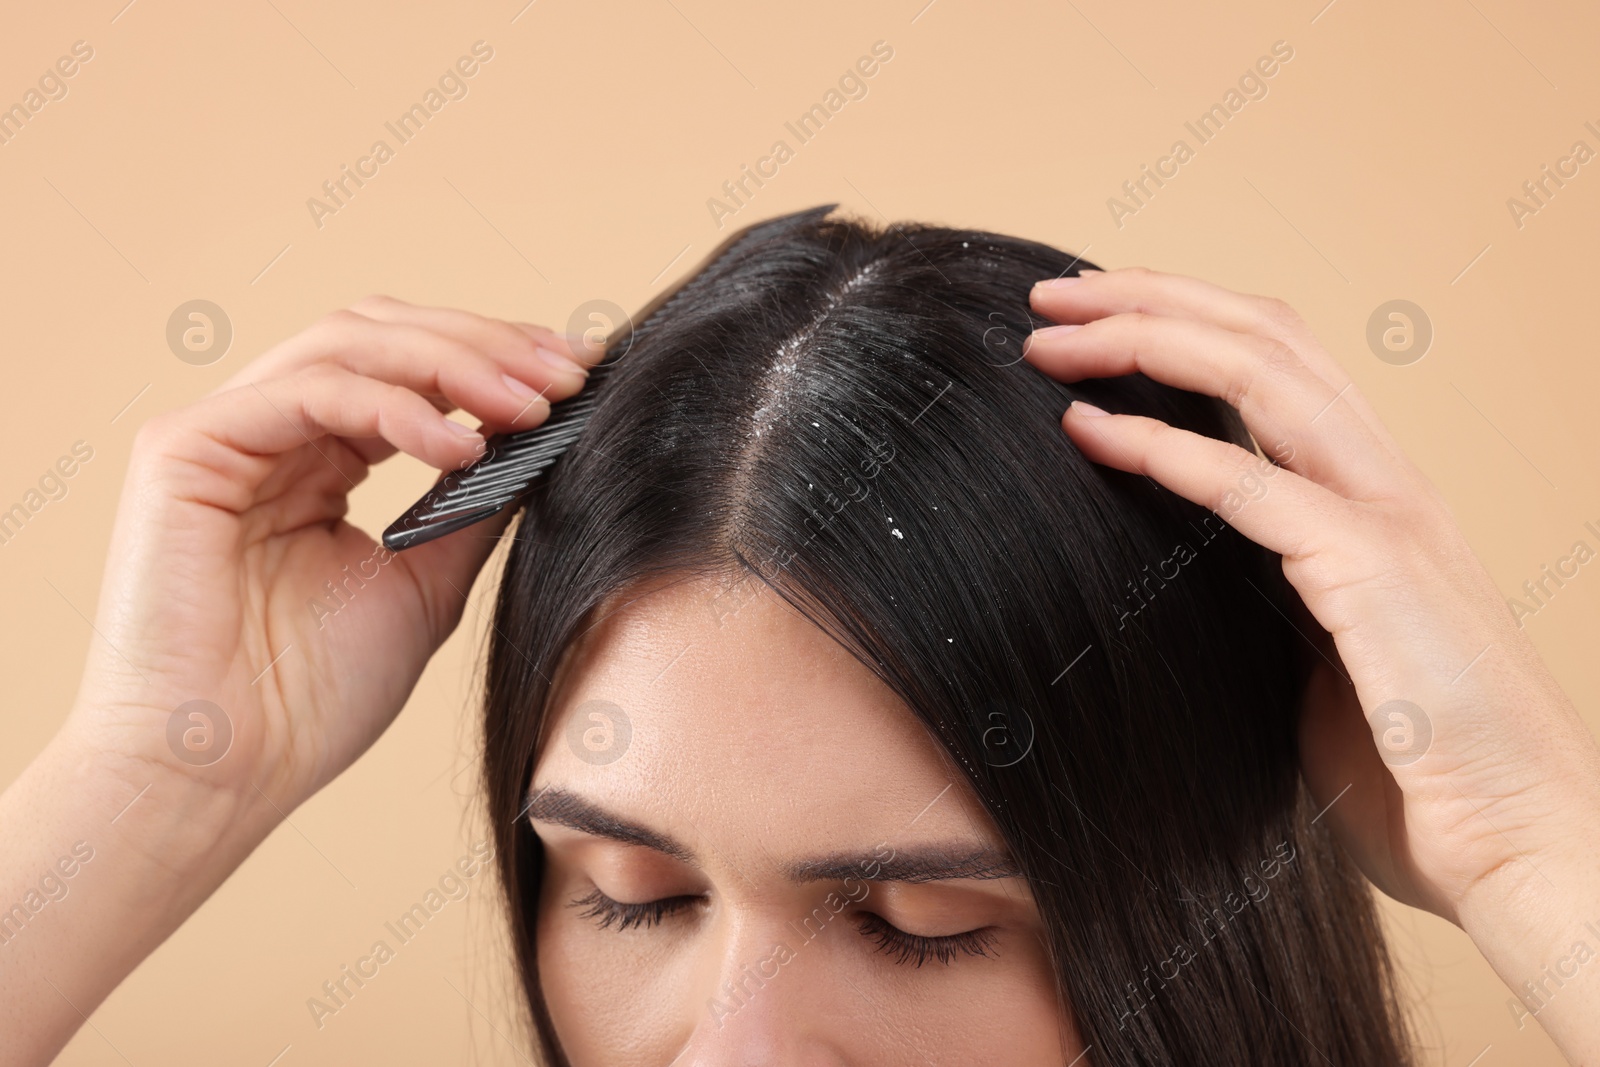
(606, 912)
(915, 949)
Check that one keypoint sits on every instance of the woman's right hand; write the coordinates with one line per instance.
(230, 528)
(230, 533)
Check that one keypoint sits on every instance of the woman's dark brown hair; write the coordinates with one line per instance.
(842, 413)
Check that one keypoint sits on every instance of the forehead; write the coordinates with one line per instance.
(720, 708)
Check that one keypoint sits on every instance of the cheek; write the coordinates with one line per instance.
(611, 1003)
(975, 1011)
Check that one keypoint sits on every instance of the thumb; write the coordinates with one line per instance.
(444, 569)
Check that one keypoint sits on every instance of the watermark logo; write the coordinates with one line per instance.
(738, 191)
(1403, 731)
(1540, 190)
(1399, 332)
(199, 332)
(199, 733)
(1538, 591)
(1537, 992)
(455, 883)
(51, 888)
(595, 322)
(339, 596)
(50, 88)
(52, 486)
(1007, 734)
(599, 732)
(453, 84)
(1138, 192)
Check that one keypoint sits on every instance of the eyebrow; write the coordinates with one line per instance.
(927, 863)
(931, 863)
(562, 808)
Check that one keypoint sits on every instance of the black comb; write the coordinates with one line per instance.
(509, 464)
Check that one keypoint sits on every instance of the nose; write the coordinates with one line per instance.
(769, 1001)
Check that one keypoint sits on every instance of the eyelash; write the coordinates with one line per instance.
(606, 912)
(901, 947)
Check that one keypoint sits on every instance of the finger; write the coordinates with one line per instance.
(586, 354)
(1097, 294)
(427, 363)
(1275, 508)
(277, 416)
(1288, 409)
(374, 450)
(533, 353)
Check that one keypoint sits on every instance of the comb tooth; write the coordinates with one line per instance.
(400, 536)
(487, 500)
(499, 472)
(487, 474)
(479, 491)
(437, 513)
(509, 451)
(486, 507)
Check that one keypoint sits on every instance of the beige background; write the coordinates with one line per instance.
(578, 167)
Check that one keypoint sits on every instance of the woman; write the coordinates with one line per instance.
(840, 709)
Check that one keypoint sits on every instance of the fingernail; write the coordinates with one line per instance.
(1057, 283)
(462, 431)
(519, 389)
(1087, 408)
(1058, 331)
(565, 364)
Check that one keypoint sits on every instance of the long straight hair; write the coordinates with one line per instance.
(841, 412)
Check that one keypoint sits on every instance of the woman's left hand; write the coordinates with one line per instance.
(1453, 768)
